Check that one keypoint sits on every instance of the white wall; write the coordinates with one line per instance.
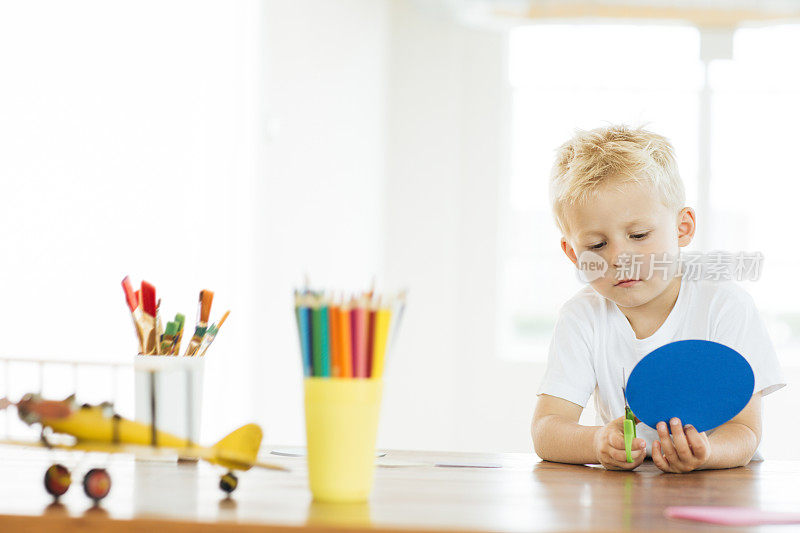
(448, 126)
(422, 219)
(320, 183)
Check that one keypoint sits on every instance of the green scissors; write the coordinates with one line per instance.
(629, 424)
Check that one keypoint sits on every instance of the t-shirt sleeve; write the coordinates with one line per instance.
(739, 325)
(570, 373)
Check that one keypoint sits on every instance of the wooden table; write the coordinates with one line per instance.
(523, 495)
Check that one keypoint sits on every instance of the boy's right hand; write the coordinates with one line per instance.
(609, 446)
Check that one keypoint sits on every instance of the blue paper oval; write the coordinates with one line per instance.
(703, 383)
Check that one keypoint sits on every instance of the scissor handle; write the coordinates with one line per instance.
(630, 434)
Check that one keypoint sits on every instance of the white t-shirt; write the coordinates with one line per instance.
(593, 342)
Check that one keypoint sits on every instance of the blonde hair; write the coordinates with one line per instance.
(613, 154)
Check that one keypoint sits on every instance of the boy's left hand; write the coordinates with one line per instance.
(684, 451)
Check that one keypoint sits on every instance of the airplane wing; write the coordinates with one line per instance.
(230, 458)
(27, 443)
(108, 447)
(271, 466)
(139, 451)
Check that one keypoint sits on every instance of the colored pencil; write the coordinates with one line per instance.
(335, 345)
(321, 342)
(345, 344)
(370, 339)
(303, 312)
(358, 327)
(383, 317)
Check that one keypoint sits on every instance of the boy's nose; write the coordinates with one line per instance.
(621, 259)
(616, 257)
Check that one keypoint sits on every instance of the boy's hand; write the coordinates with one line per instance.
(609, 446)
(684, 451)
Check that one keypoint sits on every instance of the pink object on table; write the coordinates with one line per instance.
(732, 516)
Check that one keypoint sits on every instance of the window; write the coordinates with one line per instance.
(755, 182)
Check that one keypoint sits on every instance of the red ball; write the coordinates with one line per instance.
(57, 480)
(97, 484)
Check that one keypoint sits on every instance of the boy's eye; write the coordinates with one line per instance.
(596, 246)
(639, 235)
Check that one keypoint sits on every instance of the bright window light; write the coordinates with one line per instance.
(584, 76)
(580, 76)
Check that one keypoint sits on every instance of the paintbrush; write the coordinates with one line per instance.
(168, 338)
(149, 319)
(132, 299)
(211, 334)
(176, 345)
(203, 310)
(159, 328)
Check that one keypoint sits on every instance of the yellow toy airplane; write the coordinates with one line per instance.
(96, 428)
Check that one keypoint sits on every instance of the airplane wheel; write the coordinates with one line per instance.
(97, 484)
(228, 482)
(57, 480)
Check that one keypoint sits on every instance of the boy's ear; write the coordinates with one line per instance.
(569, 251)
(686, 226)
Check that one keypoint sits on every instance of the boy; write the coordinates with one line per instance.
(617, 195)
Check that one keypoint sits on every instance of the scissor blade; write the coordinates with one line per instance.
(624, 396)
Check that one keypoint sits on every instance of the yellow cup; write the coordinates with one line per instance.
(341, 427)
(345, 515)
